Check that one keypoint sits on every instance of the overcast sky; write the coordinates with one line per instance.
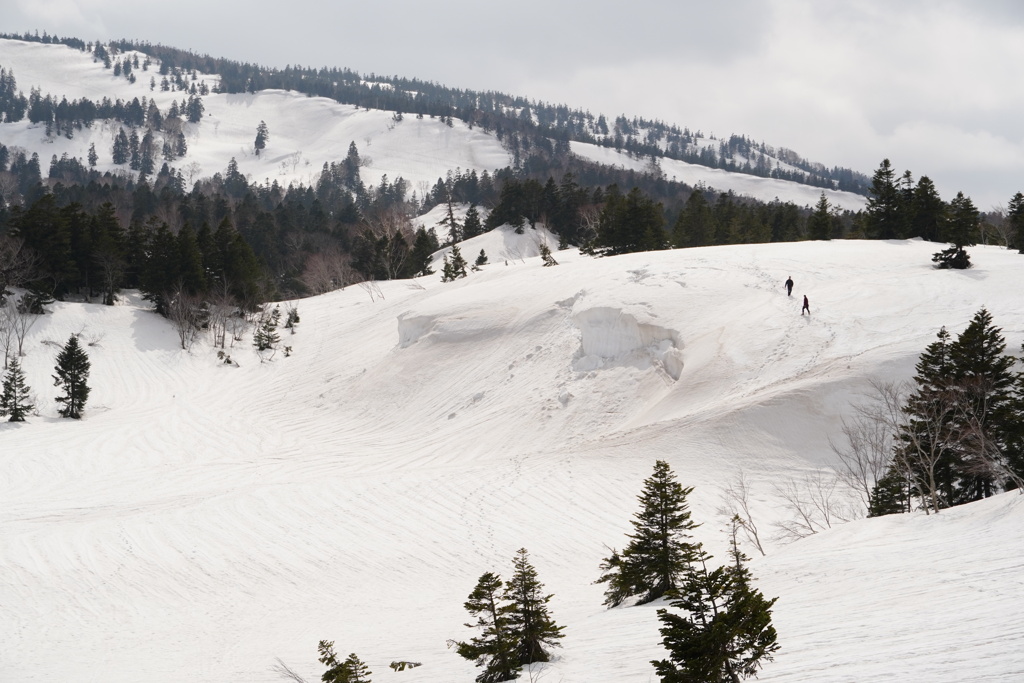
(933, 85)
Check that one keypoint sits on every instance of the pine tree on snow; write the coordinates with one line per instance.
(724, 631)
(531, 624)
(16, 398)
(455, 267)
(72, 374)
(494, 648)
(658, 552)
(352, 670)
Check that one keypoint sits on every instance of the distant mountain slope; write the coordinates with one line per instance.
(306, 132)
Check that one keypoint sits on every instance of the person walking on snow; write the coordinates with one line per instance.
(807, 306)
(789, 286)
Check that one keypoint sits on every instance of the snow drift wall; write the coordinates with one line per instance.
(610, 336)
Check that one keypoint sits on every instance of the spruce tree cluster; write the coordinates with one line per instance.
(961, 438)
(722, 630)
(351, 670)
(515, 627)
(899, 209)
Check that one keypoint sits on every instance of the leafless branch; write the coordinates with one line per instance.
(736, 506)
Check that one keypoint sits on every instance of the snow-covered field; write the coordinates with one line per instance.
(204, 520)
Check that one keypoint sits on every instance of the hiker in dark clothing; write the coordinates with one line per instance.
(789, 286)
(807, 306)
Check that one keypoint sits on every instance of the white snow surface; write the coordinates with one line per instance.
(306, 132)
(204, 520)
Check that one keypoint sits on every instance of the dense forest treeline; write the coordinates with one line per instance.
(531, 123)
(89, 234)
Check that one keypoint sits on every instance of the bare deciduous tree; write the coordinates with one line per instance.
(869, 440)
(923, 444)
(7, 312)
(22, 320)
(112, 268)
(813, 504)
(974, 442)
(326, 271)
(185, 311)
(220, 307)
(393, 228)
(736, 508)
(372, 288)
(18, 263)
(282, 670)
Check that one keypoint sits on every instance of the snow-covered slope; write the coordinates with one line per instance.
(306, 132)
(763, 189)
(204, 519)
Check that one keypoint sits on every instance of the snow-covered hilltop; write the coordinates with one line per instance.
(307, 132)
(205, 519)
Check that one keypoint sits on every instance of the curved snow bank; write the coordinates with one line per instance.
(611, 337)
(474, 327)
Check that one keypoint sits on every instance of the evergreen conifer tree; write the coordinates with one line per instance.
(121, 152)
(546, 256)
(961, 440)
(1015, 214)
(266, 337)
(455, 267)
(961, 229)
(471, 225)
(422, 251)
(891, 493)
(928, 212)
(987, 419)
(658, 552)
(819, 223)
(882, 215)
(495, 647)
(725, 631)
(16, 399)
(262, 135)
(72, 374)
(352, 670)
(695, 225)
(530, 624)
(454, 227)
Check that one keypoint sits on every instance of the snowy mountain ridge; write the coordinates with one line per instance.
(307, 132)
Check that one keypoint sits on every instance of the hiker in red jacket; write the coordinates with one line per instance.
(807, 306)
